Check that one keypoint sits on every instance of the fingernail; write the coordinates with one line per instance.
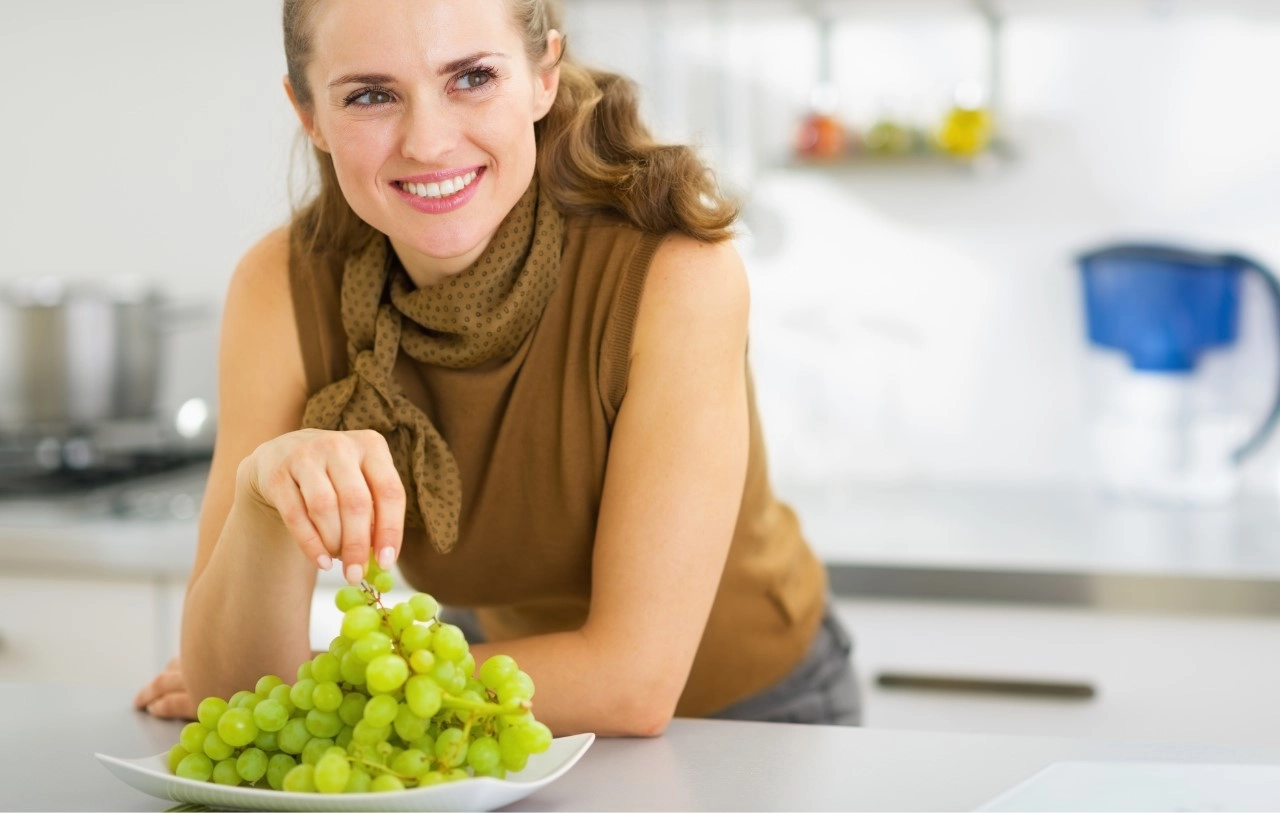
(324, 562)
(386, 557)
(354, 573)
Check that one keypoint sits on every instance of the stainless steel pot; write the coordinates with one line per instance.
(80, 353)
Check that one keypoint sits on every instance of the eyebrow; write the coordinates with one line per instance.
(386, 79)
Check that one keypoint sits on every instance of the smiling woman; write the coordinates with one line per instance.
(505, 348)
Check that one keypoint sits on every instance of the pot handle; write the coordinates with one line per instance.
(1255, 443)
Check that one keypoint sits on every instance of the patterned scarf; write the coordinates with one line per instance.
(482, 314)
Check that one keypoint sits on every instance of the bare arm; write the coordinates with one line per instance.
(673, 488)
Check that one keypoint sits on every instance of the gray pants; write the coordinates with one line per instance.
(822, 689)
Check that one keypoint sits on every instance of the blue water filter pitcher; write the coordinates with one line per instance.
(1166, 420)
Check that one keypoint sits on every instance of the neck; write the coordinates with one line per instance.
(425, 270)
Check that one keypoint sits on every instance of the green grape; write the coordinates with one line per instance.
(280, 694)
(304, 670)
(300, 694)
(518, 688)
(236, 727)
(533, 737)
(445, 673)
(449, 643)
(265, 684)
(251, 765)
(353, 669)
(277, 768)
(415, 638)
(358, 782)
(215, 747)
(386, 673)
(267, 740)
(424, 606)
(300, 779)
(381, 710)
(383, 582)
(410, 763)
(423, 696)
(323, 723)
(224, 773)
(351, 710)
(402, 617)
(468, 664)
(241, 699)
(192, 737)
(409, 725)
(514, 756)
(269, 715)
(339, 646)
(349, 596)
(344, 736)
(477, 688)
(451, 747)
(372, 646)
(454, 774)
(332, 773)
(294, 736)
(385, 782)
(372, 569)
(497, 670)
(369, 735)
(327, 696)
(326, 668)
(208, 712)
(360, 621)
(483, 755)
(430, 778)
(316, 748)
(497, 772)
(195, 766)
(426, 744)
(422, 661)
(176, 754)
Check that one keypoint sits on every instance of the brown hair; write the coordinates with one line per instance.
(595, 155)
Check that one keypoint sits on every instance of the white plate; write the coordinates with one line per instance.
(151, 776)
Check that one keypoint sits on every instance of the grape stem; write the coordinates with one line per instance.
(449, 701)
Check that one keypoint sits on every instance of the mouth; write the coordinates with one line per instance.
(441, 189)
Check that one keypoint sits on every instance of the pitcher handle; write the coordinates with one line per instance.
(1255, 443)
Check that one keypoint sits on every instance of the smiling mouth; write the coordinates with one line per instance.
(437, 191)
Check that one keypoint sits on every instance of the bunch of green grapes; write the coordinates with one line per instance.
(395, 703)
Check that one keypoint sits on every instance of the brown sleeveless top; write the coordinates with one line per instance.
(531, 437)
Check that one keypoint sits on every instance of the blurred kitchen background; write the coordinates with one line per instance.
(1002, 489)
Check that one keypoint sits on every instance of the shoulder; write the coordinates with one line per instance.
(693, 291)
(264, 268)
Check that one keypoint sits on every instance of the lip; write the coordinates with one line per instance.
(437, 206)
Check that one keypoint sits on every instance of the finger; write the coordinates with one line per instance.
(321, 501)
(177, 705)
(293, 513)
(161, 684)
(388, 502)
(355, 507)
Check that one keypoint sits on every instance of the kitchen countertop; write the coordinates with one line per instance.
(917, 540)
(51, 733)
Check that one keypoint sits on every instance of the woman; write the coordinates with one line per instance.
(514, 331)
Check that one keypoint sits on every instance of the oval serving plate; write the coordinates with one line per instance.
(151, 776)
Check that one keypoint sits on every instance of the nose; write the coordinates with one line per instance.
(429, 133)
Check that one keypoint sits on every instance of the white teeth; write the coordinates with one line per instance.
(451, 186)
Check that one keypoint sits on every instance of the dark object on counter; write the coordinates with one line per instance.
(986, 685)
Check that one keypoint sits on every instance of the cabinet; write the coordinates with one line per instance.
(1159, 678)
(84, 630)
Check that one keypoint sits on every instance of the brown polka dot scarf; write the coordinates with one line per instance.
(480, 315)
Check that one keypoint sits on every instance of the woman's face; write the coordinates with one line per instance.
(427, 108)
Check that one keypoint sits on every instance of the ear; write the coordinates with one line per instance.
(547, 81)
(306, 117)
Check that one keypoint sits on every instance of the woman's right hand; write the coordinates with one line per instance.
(337, 493)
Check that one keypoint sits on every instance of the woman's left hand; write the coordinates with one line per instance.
(166, 695)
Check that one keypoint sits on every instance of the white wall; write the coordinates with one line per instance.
(906, 324)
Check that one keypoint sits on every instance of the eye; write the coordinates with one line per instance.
(370, 97)
(473, 79)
